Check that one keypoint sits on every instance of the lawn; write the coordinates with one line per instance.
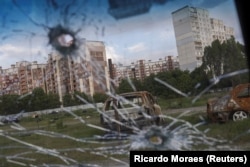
(53, 138)
(62, 132)
(186, 102)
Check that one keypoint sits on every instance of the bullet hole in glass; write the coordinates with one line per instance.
(62, 39)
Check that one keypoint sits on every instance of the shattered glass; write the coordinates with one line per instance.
(36, 28)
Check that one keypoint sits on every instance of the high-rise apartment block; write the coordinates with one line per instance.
(22, 78)
(194, 30)
(86, 73)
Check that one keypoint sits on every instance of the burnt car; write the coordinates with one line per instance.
(9, 119)
(233, 106)
(132, 109)
(14, 118)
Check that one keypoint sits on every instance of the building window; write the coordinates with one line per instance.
(97, 55)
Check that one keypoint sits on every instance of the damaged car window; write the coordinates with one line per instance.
(244, 93)
(84, 82)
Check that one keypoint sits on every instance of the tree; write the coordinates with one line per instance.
(68, 100)
(138, 84)
(125, 86)
(178, 79)
(161, 89)
(149, 84)
(99, 97)
(214, 57)
(80, 97)
(235, 60)
(224, 58)
(24, 102)
(184, 82)
(9, 104)
(200, 79)
(53, 100)
(39, 100)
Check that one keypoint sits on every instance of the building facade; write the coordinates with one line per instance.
(22, 78)
(194, 30)
(86, 73)
(142, 68)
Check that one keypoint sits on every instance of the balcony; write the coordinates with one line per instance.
(193, 15)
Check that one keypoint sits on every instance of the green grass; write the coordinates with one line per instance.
(62, 123)
(185, 102)
(66, 124)
(230, 130)
(237, 133)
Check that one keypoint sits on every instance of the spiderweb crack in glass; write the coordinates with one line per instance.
(61, 33)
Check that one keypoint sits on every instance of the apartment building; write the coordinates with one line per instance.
(86, 73)
(194, 30)
(219, 30)
(22, 78)
(9, 80)
(142, 68)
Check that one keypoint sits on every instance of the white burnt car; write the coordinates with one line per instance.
(133, 109)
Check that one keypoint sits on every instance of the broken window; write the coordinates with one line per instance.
(244, 93)
(62, 36)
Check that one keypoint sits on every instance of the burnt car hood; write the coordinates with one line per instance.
(219, 104)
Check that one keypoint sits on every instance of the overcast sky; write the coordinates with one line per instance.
(25, 25)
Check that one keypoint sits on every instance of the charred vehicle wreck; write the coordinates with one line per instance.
(233, 106)
(128, 110)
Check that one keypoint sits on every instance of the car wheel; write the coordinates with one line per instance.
(239, 115)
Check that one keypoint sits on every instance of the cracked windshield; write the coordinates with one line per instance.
(84, 82)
